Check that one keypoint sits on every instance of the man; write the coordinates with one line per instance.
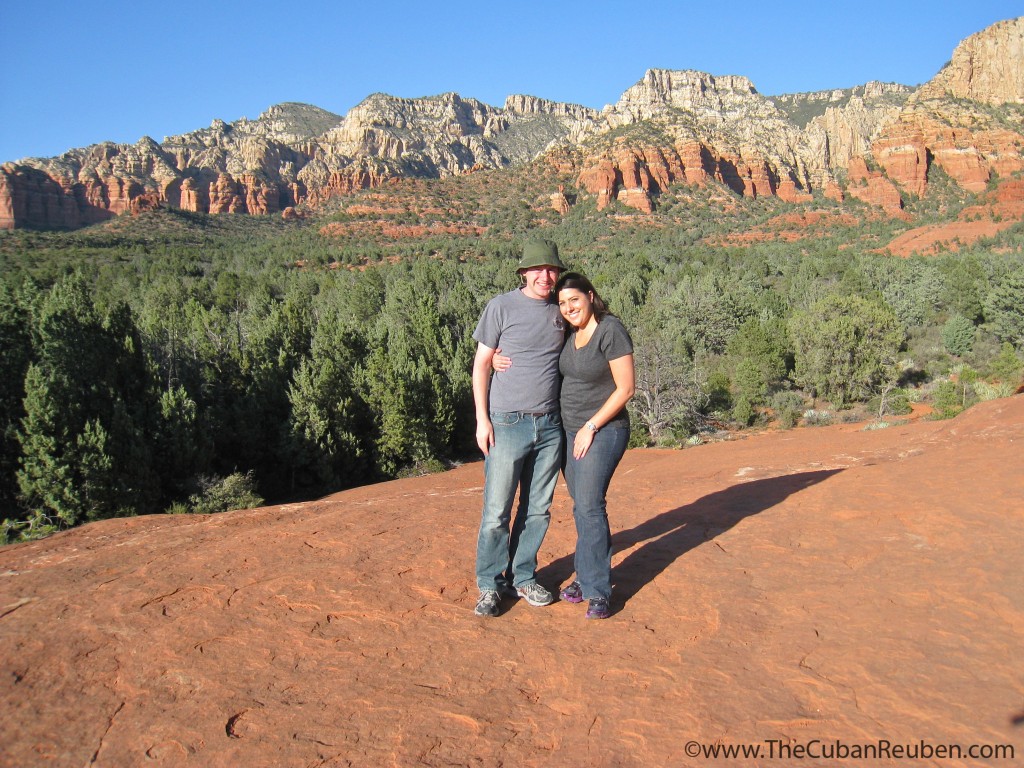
(518, 428)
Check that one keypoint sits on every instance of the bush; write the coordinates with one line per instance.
(36, 526)
(743, 411)
(420, 468)
(236, 491)
(986, 391)
(894, 403)
(814, 418)
(946, 400)
(958, 335)
(787, 406)
(1007, 365)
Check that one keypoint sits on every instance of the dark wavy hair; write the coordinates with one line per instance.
(582, 284)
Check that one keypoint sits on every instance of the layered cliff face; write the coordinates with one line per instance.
(293, 154)
(876, 142)
(242, 167)
(689, 127)
(986, 67)
(968, 119)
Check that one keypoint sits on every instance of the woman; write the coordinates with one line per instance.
(596, 365)
(597, 382)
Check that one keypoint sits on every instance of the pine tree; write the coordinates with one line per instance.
(88, 406)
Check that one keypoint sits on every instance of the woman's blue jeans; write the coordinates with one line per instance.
(588, 481)
(526, 456)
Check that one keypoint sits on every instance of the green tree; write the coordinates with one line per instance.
(87, 404)
(416, 379)
(846, 348)
(15, 357)
(182, 449)
(1007, 365)
(964, 287)
(758, 352)
(671, 385)
(329, 421)
(1004, 309)
(958, 335)
(709, 313)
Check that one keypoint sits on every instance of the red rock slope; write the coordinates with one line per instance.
(832, 584)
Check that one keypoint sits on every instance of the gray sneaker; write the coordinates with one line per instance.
(535, 594)
(487, 603)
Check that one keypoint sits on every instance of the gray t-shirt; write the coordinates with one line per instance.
(531, 332)
(586, 376)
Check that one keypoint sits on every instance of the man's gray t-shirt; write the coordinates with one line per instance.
(531, 333)
(587, 380)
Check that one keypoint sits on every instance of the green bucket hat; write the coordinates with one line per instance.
(540, 253)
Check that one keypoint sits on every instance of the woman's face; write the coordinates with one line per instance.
(576, 306)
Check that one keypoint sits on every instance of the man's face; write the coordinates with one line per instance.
(539, 281)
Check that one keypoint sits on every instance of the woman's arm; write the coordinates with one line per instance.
(624, 376)
(499, 362)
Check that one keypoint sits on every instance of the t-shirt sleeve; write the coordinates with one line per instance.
(616, 342)
(488, 329)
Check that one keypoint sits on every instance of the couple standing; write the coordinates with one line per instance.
(559, 359)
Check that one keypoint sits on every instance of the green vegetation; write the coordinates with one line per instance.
(187, 363)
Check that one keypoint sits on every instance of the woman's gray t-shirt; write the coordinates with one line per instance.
(586, 376)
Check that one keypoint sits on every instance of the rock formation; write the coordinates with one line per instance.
(958, 120)
(986, 67)
(672, 127)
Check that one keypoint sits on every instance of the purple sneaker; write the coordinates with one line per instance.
(572, 593)
(598, 608)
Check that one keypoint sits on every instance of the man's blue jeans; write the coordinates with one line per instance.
(526, 455)
(587, 480)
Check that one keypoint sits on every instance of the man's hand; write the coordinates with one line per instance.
(485, 436)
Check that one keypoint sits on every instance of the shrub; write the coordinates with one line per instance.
(36, 526)
(815, 418)
(743, 411)
(236, 491)
(893, 403)
(987, 391)
(1007, 366)
(787, 406)
(946, 400)
(958, 335)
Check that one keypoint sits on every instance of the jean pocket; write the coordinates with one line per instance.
(505, 419)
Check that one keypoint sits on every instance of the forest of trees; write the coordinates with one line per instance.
(210, 365)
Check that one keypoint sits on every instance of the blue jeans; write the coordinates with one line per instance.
(588, 481)
(526, 455)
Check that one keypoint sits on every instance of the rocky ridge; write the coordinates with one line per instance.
(875, 142)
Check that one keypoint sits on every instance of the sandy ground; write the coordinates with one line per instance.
(837, 590)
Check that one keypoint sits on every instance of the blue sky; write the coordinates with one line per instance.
(74, 73)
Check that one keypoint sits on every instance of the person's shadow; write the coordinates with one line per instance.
(672, 534)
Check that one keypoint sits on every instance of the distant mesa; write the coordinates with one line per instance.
(877, 143)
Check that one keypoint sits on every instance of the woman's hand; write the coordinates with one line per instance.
(499, 362)
(582, 443)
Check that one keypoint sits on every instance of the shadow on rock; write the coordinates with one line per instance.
(672, 534)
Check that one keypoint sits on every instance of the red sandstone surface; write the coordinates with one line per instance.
(834, 584)
(999, 210)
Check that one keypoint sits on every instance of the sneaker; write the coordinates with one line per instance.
(535, 594)
(598, 608)
(572, 593)
(487, 603)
